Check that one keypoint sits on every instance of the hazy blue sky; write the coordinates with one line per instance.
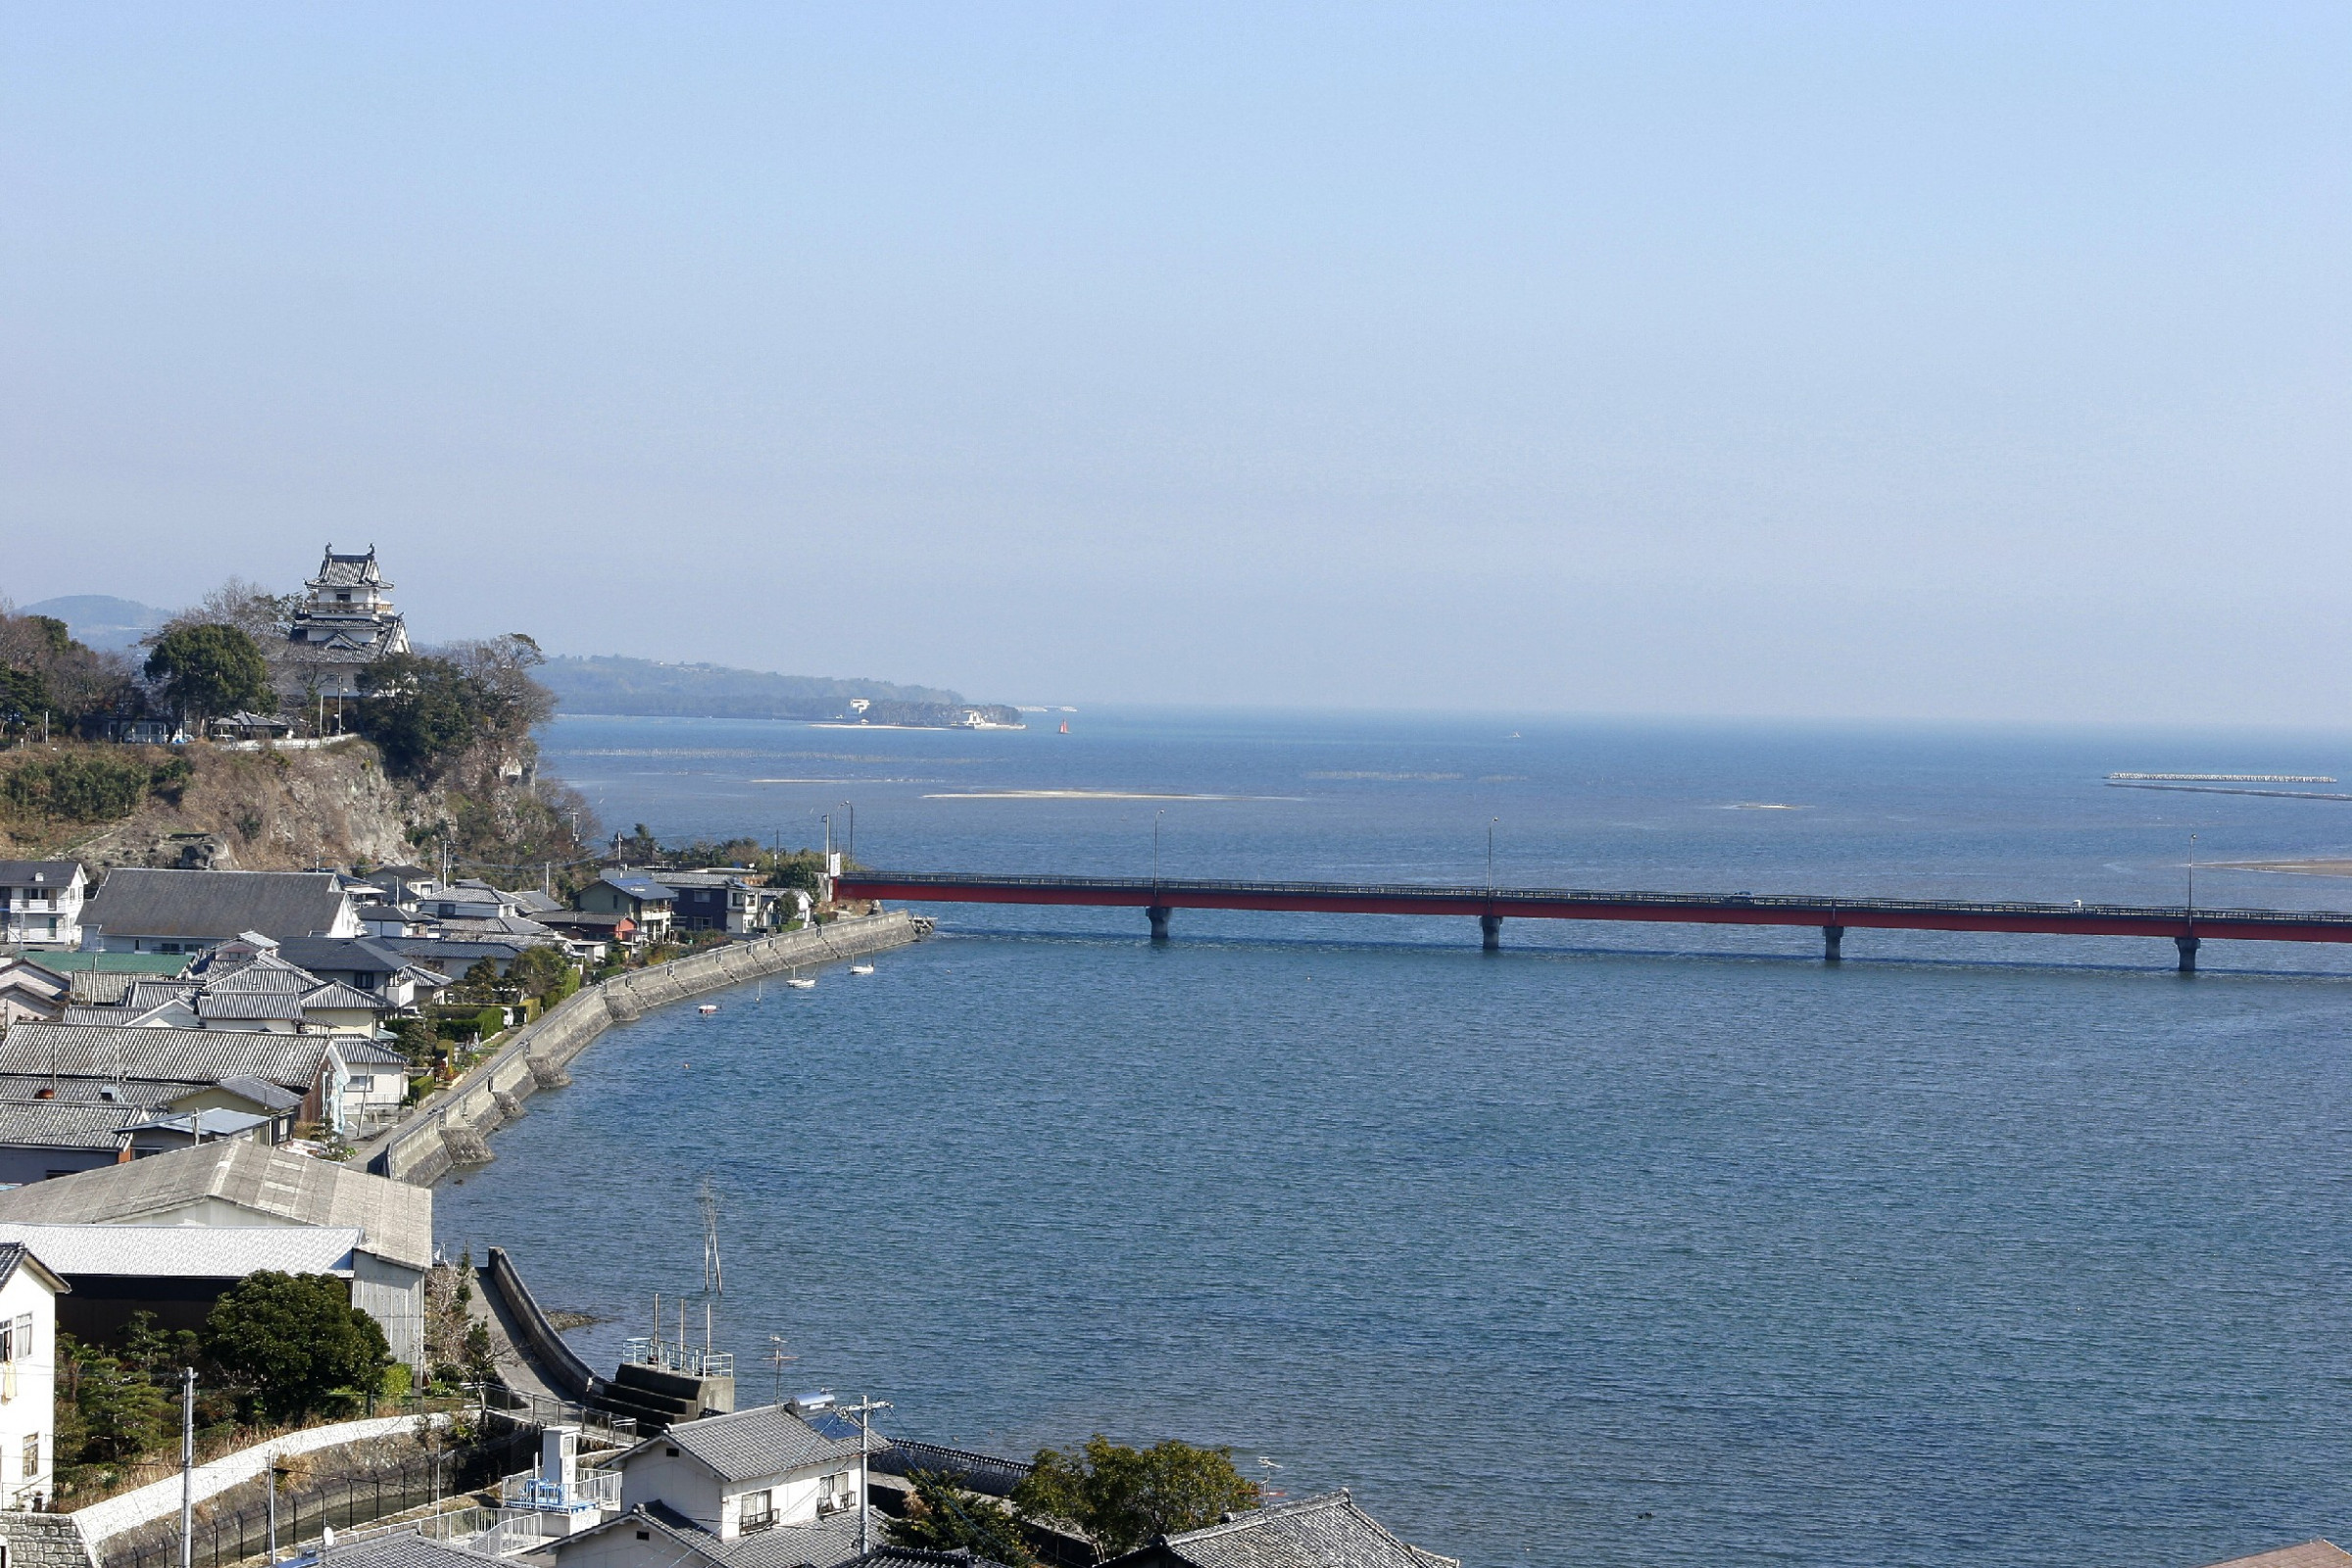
(1963, 361)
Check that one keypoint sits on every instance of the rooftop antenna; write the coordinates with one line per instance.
(715, 1282)
(1265, 1488)
(775, 1361)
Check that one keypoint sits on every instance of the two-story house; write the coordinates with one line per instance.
(652, 905)
(29, 1293)
(717, 1488)
(40, 902)
(722, 900)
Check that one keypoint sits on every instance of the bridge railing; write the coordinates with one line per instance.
(1503, 896)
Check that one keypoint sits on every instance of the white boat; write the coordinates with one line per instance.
(708, 1009)
(862, 968)
(798, 984)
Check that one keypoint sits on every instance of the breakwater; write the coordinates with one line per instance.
(453, 1128)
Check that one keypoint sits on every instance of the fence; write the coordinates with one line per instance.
(230, 1535)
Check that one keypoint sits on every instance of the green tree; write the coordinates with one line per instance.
(210, 669)
(541, 972)
(1122, 1497)
(481, 979)
(106, 1411)
(941, 1518)
(296, 1343)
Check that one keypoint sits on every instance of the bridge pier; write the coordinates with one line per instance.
(1489, 933)
(1832, 943)
(2188, 953)
(1158, 916)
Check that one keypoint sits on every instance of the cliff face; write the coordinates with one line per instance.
(277, 811)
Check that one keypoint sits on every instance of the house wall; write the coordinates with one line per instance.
(27, 1389)
(620, 1548)
(392, 1293)
(654, 1476)
(23, 1164)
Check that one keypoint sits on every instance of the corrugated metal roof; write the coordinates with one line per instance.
(186, 1252)
(397, 1219)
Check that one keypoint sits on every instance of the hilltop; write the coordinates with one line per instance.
(608, 685)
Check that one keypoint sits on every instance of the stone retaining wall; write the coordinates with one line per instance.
(426, 1146)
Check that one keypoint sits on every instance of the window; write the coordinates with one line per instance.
(362, 1080)
(758, 1510)
(32, 1456)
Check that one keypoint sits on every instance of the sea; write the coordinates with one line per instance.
(1623, 1246)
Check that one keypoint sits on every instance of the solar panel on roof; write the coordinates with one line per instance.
(832, 1424)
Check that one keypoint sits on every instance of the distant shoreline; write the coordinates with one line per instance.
(2316, 867)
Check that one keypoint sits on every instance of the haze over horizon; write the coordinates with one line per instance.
(1677, 360)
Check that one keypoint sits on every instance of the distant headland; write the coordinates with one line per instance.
(645, 687)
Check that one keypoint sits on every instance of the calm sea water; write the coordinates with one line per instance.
(1626, 1245)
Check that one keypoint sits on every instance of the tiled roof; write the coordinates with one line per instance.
(213, 905)
(403, 1549)
(349, 571)
(880, 1556)
(186, 1252)
(396, 1219)
(202, 1056)
(37, 873)
(82, 1088)
(15, 1254)
(1326, 1532)
(828, 1544)
(767, 1441)
(263, 1093)
(66, 1123)
(344, 955)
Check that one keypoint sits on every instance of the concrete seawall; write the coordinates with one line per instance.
(453, 1129)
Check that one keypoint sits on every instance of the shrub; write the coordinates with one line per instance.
(296, 1343)
(77, 788)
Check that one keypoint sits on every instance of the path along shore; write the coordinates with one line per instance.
(452, 1127)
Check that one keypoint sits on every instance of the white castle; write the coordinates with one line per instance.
(346, 625)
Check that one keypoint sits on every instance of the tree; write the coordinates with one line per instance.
(1122, 1497)
(541, 972)
(296, 1342)
(940, 1517)
(107, 1410)
(210, 669)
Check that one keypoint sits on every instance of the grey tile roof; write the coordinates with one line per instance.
(403, 1549)
(1326, 1532)
(37, 873)
(106, 1090)
(186, 1252)
(201, 1055)
(881, 1555)
(213, 905)
(126, 963)
(765, 1440)
(396, 1219)
(341, 956)
(67, 1123)
(16, 1255)
(824, 1545)
(263, 1093)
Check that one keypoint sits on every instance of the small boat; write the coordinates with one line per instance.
(708, 1009)
(1065, 726)
(794, 981)
(862, 968)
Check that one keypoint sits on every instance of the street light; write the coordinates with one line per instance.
(1491, 821)
(1156, 816)
(2192, 874)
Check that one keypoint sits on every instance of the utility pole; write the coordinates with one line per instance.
(1491, 821)
(2192, 876)
(273, 1473)
(864, 1410)
(187, 1468)
(777, 1359)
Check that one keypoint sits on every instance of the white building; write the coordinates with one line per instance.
(771, 1484)
(40, 902)
(29, 1293)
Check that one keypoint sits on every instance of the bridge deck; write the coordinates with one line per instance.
(1577, 904)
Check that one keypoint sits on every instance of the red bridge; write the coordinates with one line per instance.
(2186, 927)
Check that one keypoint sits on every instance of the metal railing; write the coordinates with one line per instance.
(540, 1410)
(664, 1356)
(589, 1489)
(1502, 897)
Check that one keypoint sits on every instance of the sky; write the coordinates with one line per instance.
(1959, 362)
